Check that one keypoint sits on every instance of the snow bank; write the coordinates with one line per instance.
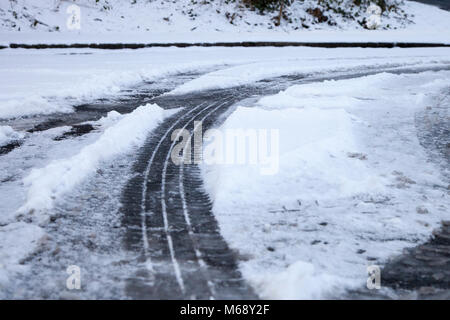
(313, 166)
(8, 134)
(352, 174)
(186, 21)
(313, 147)
(330, 93)
(218, 17)
(58, 177)
(345, 93)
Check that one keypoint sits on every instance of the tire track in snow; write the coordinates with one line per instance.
(187, 219)
(180, 250)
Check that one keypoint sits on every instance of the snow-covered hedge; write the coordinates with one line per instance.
(331, 12)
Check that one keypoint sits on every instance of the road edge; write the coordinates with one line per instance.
(118, 46)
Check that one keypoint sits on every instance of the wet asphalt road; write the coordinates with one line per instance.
(443, 4)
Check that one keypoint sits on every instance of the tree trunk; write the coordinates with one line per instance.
(280, 14)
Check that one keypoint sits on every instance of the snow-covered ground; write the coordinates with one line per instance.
(173, 16)
(51, 169)
(354, 185)
(55, 80)
(185, 21)
(44, 82)
(60, 176)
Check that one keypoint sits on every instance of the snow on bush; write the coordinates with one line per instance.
(367, 13)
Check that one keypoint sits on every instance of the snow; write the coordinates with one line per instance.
(167, 16)
(17, 240)
(44, 82)
(8, 134)
(60, 176)
(50, 176)
(53, 81)
(299, 281)
(252, 72)
(169, 21)
(343, 198)
(37, 150)
(345, 162)
(311, 140)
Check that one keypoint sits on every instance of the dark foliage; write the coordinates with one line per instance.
(267, 5)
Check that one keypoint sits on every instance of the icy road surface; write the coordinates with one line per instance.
(363, 171)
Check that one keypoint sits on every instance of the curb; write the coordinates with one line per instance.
(118, 46)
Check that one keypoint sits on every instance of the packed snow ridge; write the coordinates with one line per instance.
(23, 232)
(61, 175)
(343, 197)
